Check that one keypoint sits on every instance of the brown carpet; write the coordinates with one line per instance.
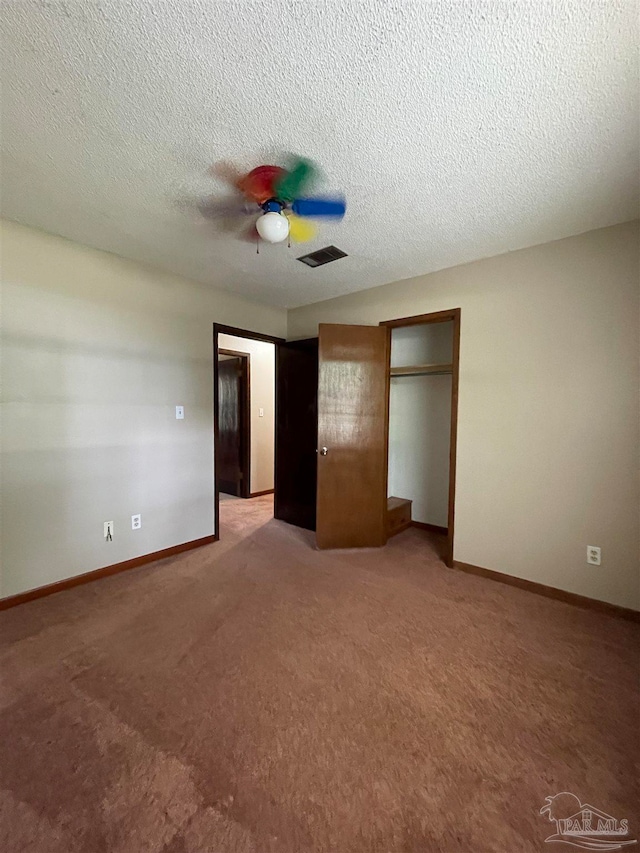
(257, 696)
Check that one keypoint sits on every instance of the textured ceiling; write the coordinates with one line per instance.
(457, 130)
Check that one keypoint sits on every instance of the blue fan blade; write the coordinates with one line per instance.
(317, 207)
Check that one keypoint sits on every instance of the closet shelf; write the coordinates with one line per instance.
(421, 369)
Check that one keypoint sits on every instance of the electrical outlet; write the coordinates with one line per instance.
(136, 522)
(108, 531)
(179, 413)
(593, 555)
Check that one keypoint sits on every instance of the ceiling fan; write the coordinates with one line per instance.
(278, 198)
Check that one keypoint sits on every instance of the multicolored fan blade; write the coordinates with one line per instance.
(291, 184)
(320, 207)
(249, 234)
(225, 171)
(214, 208)
(260, 183)
(301, 230)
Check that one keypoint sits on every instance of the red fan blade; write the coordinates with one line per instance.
(260, 182)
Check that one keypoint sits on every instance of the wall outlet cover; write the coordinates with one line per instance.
(136, 522)
(594, 555)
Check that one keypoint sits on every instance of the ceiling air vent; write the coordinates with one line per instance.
(323, 256)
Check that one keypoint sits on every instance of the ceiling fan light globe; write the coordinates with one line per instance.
(273, 227)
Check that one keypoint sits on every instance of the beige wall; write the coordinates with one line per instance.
(548, 412)
(262, 368)
(96, 353)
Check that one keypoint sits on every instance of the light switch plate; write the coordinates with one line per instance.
(179, 413)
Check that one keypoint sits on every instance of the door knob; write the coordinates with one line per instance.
(323, 451)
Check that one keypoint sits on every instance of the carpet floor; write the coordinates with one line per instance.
(259, 696)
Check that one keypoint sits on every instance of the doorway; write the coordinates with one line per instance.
(244, 368)
(234, 424)
(296, 433)
(423, 422)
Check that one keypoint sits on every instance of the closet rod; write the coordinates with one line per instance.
(421, 370)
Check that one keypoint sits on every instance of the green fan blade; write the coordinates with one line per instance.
(291, 183)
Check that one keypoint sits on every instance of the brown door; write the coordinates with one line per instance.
(353, 400)
(296, 432)
(232, 426)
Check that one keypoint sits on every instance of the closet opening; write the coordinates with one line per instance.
(423, 419)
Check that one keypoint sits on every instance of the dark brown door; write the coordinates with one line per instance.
(296, 432)
(353, 397)
(232, 425)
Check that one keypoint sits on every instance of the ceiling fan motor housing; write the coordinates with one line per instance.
(272, 205)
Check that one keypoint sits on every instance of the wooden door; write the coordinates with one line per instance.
(353, 402)
(232, 426)
(296, 432)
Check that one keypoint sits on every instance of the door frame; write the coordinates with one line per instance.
(218, 329)
(245, 417)
(443, 317)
